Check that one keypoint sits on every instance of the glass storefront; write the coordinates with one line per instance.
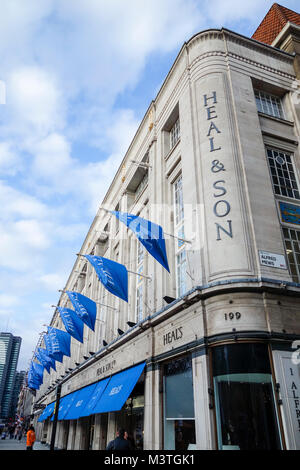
(131, 417)
(246, 412)
(179, 414)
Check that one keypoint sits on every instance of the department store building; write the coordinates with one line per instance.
(209, 358)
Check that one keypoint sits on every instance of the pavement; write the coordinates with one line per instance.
(15, 444)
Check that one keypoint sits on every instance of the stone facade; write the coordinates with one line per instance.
(232, 294)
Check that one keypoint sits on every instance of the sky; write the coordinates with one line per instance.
(77, 77)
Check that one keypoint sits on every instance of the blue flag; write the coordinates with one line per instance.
(38, 369)
(85, 308)
(35, 375)
(149, 234)
(72, 322)
(60, 342)
(45, 360)
(114, 276)
(48, 344)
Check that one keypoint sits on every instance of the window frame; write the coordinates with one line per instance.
(274, 101)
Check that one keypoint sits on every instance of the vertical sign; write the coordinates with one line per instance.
(288, 376)
(224, 216)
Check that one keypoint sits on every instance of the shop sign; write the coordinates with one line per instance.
(106, 367)
(272, 260)
(289, 380)
(172, 336)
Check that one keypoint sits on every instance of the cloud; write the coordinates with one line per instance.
(53, 281)
(10, 161)
(67, 124)
(35, 101)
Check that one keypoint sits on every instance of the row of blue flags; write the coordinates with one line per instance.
(58, 342)
(114, 277)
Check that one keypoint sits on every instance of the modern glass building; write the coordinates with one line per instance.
(9, 355)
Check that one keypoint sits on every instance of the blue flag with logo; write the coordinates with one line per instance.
(45, 360)
(72, 322)
(60, 343)
(113, 275)
(38, 370)
(85, 308)
(35, 375)
(48, 344)
(149, 234)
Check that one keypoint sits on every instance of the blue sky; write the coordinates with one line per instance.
(79, 76)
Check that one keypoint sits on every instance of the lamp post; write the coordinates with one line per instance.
(58, 392)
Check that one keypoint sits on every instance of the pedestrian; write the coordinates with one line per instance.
(119, 443)
(30, 438)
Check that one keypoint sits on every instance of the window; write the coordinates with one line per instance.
(181, 272)
(292, 248)
(179, 414)
(282, 173)
(180, 252)
(268, 104)
(141, 186)
(171, 131)
(175, 134)
(139, 282)
(244, 396)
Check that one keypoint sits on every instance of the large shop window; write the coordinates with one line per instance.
(179, 415)
(244, 396)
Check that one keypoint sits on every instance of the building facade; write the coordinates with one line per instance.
(215, 162)
(9, 355)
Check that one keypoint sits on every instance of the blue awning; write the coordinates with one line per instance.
(118, 390)
(47, 412)
(79, 402)
(95, 398)
(64, 405)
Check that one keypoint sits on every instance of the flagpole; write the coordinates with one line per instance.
(139, 274)
(99, 303)
(181, 239)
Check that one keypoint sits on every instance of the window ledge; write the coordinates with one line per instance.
(172, 149)
(273, 118)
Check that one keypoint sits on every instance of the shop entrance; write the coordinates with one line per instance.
(246, 412)
(131, 417)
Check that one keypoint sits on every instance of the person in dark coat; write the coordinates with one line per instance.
(119, 443)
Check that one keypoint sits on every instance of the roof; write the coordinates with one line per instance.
(274, 21)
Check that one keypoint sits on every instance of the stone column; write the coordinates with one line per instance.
(72, 434)
(152, 412)
(111, 427)
(203, 414)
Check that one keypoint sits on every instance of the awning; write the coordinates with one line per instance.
(79, 402)
(95, 398)
(47, 412)
(64, 405)
(118, 390)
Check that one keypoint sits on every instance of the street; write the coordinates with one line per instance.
(15, 444)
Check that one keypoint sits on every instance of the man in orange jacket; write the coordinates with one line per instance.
(30, 438)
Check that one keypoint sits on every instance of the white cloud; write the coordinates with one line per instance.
(53, 281)
(7, 301)
(10, 161)
(15, 203)
(35, 101)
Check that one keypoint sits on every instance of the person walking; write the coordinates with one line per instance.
(30, 438)
(120, 442)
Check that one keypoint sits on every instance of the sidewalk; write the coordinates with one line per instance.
(15, 444)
